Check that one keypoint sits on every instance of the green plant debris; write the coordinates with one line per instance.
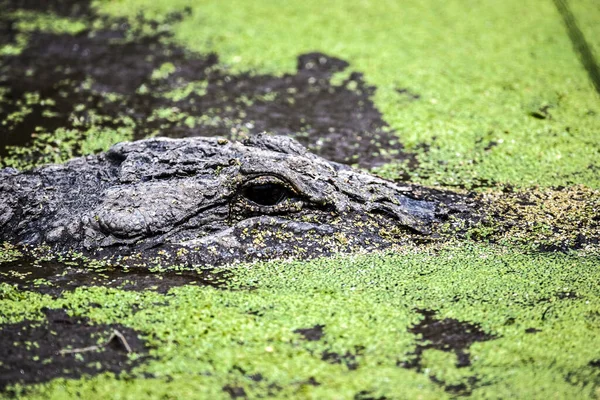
(64, 144)
(540, 311)
(540, 218)
(178, 94)
(31, 21)
(9, 253)
(501, 99)
(163, 71)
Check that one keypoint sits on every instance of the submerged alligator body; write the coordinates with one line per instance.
(209, 201)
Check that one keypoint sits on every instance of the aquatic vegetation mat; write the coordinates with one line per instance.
(437, 98)
(478, 320)
(52, 277)
(70, 93)
(62, 346)
(483, 92)
(493, 96)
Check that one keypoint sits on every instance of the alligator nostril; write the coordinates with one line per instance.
(267, 194)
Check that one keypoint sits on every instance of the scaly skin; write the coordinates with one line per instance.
(211, 201)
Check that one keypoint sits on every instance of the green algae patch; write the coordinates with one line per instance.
(32, 21)
(8, 253)
(481, 95)
(476, 97)
(64, 144)
(536, 218)
(478, 320)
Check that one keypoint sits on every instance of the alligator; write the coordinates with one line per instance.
(213, 201)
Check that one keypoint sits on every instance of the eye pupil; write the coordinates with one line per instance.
(267, 194)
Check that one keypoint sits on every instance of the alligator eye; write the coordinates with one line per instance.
(266, 194)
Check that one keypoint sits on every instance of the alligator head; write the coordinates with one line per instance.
(209, 201)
